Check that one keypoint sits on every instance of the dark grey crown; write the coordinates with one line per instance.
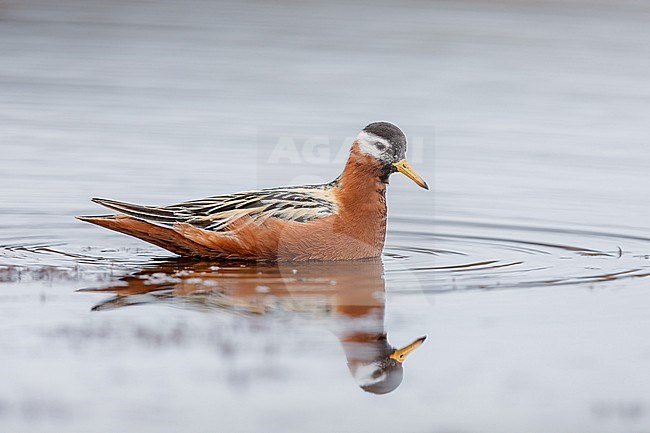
(389, 132)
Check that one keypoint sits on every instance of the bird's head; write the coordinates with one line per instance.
(385, 372)
(386, 143)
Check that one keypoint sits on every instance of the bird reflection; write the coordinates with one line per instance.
(350, 295)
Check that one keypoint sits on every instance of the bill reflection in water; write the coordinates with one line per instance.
(350, 296)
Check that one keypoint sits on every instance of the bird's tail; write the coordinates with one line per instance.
(164, 237)
(148, 213)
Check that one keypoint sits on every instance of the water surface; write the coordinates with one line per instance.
(526, 265)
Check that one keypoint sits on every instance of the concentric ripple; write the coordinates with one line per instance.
(449, 255)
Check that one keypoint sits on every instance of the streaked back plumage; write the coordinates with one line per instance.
(300, 204)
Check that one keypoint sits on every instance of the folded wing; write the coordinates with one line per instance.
(217, 213)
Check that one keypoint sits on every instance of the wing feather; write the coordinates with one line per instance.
(217, 213)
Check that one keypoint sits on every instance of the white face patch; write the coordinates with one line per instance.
(368, 145)
(367, 375)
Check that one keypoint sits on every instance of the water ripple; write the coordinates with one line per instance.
(461, 255)
(421, 255)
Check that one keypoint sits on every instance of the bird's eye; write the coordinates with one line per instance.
(376, 374)
(380, 146)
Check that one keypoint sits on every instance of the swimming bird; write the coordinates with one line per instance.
(341, 220)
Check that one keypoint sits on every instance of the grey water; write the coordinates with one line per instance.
(526, 266)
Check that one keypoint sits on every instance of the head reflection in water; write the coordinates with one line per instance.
(377, 368)
(350, 294)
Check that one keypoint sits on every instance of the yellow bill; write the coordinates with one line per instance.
(400, 354)
(404, 168)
